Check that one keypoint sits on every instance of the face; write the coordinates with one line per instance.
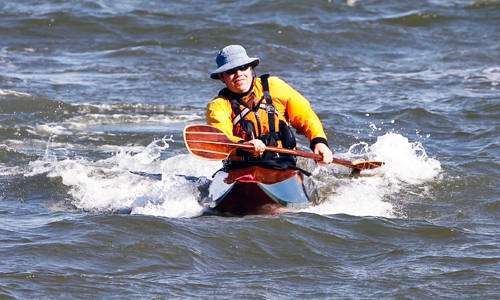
(238, 82)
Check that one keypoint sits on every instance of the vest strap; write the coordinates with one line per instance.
(241, 109)
(269, 100)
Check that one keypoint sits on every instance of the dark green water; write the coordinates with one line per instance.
(91, 90)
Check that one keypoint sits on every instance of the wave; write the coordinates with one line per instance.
(19, 104)
(491, 5)
(97, 186)
(13, 93)
(415, 18)
(22, 110)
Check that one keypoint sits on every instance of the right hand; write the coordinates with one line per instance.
(259, 147)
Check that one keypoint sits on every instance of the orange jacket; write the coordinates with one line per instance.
(285, 100)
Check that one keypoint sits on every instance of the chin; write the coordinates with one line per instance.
(243, 88)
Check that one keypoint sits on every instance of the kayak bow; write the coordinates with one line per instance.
(255, 190)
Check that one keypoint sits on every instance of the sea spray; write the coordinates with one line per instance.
(405, 161)
(373, 192)
(121, 183)
(115, 185)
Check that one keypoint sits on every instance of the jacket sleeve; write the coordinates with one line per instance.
(219, 115)
(299, 110)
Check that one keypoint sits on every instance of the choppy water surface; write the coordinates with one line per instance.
(94, 96)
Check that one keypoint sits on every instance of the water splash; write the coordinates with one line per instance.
(114, 185)
(406, 164)
(13, 93)
(405, 161)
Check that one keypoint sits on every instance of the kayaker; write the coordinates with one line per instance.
(258, 110)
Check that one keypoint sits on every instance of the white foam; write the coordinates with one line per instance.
(9, 171)
(493, 74)
(51, 129)
(406, 164)
(173, 197)
(109, 185)
(356, 196)
(13, 93)
(405, 161)
(351, 3)
(144, 159)
(188, 165)
(76, 125)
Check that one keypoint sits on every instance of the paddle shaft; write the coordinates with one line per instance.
(296, 153)
(209, 142)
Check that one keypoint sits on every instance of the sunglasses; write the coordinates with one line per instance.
(241, 68)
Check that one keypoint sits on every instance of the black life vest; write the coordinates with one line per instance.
(279, 135)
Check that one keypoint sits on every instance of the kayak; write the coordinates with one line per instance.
(256, 190)
(253, 190)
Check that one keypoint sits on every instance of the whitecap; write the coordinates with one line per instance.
(373, 193)
(13, 93)
(114, 185)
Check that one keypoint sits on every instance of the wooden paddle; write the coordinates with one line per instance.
(208, 142)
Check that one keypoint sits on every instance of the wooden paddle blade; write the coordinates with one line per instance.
(366, 165)
(208, 142)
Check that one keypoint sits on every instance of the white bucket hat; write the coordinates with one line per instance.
(231, 57)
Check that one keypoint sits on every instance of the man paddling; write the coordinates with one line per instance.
(258, 110)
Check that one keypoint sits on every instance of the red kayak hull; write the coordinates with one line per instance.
(257, 191)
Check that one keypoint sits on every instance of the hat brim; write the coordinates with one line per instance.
(231, 65)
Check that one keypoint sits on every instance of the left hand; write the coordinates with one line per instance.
(325, 152)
